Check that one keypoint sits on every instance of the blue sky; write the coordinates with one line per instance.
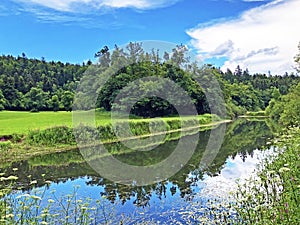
(220, 31)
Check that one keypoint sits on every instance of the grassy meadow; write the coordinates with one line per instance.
(24, 134)
(16, 122)
(21, 122)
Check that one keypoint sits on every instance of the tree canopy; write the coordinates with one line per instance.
(32, 84)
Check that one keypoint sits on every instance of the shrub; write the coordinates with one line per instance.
(51, 136)
(5, 145)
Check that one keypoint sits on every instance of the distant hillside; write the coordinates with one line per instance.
(32, 84)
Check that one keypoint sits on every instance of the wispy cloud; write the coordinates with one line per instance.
(261, 39)
(3, 10)
(88, 13)
(86, 5)
(91, 20)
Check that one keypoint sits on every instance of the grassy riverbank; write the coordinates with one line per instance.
(273, 197)
(39, 136)
(18, 122)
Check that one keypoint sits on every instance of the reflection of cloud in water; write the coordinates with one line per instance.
(225, 182)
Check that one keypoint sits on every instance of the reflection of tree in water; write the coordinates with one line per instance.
(242, 137)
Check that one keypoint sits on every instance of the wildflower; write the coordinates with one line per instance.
(21, 196)
(272, 172)
(12, 178)
(9, 178)
(9, 215)
(284, 169)
(35, 197)
(33, 182)
(50, 200)
(286, 208)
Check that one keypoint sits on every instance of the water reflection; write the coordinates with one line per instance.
(242, 139)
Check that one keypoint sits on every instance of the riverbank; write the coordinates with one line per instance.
(273, 196)
(62, 138)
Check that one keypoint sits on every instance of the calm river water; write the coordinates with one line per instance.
(163, 202)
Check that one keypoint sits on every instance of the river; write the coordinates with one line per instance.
(176, 199)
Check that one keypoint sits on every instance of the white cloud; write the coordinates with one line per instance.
(84, 5)
(224, 183)
(261, 39)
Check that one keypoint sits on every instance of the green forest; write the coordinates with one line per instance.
(37, 85)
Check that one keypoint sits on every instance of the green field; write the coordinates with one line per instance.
(22, 122)
(13, 122)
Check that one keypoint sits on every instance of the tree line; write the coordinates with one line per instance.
(35, 85)
(32, 84)
(286, 108)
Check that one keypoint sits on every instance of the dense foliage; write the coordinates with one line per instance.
(32, 84)
(273, 196)
(285, 108)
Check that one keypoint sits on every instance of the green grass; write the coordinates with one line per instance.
(12, 122)
(22, 122)
(273, 197)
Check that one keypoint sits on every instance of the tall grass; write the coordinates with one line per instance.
(273, 197)
(62, 135)
(35, 208)
(5, 145)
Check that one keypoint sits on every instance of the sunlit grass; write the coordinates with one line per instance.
(22, 122)
(13, 122)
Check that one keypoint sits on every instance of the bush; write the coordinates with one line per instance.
(51, 136)
(5, 145)
(15, 138)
